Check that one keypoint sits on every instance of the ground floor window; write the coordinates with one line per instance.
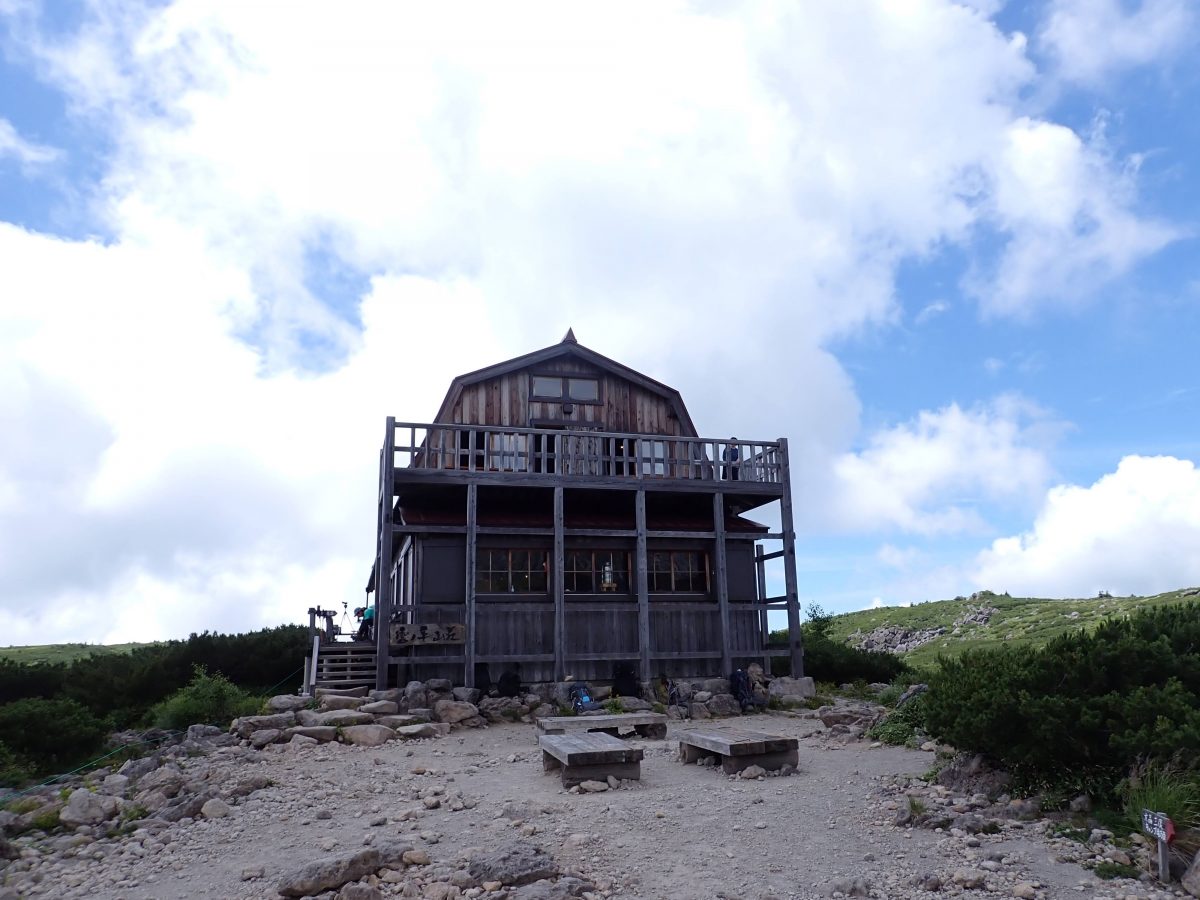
(596, 571)
(511, 571)
(678, 571)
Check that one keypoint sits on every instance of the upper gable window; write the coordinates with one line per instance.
(567, 389)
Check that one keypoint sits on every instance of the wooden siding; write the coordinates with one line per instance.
(623, 405)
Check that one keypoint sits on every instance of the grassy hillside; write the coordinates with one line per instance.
(62, 653)
(1017, 619)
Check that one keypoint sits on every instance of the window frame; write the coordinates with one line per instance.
(511, 574)
(564, 382)
(675, 574)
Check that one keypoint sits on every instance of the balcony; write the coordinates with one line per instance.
(488, 452)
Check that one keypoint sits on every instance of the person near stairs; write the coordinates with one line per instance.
(366, 630)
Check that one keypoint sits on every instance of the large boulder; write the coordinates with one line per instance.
(336, 702)
(454, 711)
(167, 780)
(392, 695)
(247, 725)
(854, 715)
(1190, 881)
(185, 806)
(501, 709)
(341, 718)
(469, 695)
(716, 685)
(380, 708)
(261, 738)
(367, 735)
(513, 864)
(789, 690)
(342, 692)
(288, 702)
(634, 704)
(724, 705)
(415, 694)
(85, 808)
(329, 874)
(322, 733)
(398, 721)
(416, 732)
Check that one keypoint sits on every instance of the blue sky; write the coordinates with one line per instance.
(948, 249)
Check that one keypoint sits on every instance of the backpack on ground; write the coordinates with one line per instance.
(581, 698)
(742, 690)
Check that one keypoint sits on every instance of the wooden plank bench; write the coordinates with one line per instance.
(738, 749)
(589, 757)
(645, 724)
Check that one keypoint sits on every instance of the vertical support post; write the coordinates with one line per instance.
(764, 621)
(472, 535)
(560, 596)
(383, 574)
(722, 579)
(643, 586)
(1164, 862)
(312, 621)
(789, 564)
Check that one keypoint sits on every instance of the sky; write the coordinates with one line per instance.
(948, 250)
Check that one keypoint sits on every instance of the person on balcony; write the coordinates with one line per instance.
(366, 630)
(731, 455)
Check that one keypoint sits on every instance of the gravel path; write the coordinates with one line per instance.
(682, 832)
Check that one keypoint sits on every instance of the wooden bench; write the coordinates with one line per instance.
(589, 757)
(739, 749)
(645, 724)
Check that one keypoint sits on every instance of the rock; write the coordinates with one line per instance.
(288, 702)
(85, 808)
(502, 709)
(716, 685)
(203, 732)
(724, 705)
(250, 873)
(440, 890)
(322, 733)
(514, 864)
(185, 807)
(699, 711)
(215, 808)
(635, 704)
(702, 696)
(593, 787)
(260, 739)
(359, 891)
(850, 887)
(454, 711)
(115, 785)
(853, 715)
(968, 878)
(341, 692)
(331, 702)
(341, 718)
(397, 721)
(415, 695)
(928, 881)
(247, 725)
(138, 768)
(438, 685)
(467, 695)
(548, 889)
(394, 695)
(167, 780)
(329, 873)
(421, 712)
(1190, 880)
(416, 732)
(791, 690)
(380, 708)
(1024, 890)
(911, 692)
(752, 772)
(367, 735)
(416, 858)
(1081, 804)
(971, 774)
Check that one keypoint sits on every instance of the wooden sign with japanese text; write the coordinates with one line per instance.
(442, 633)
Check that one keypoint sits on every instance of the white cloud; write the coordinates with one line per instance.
(929, 475)
(932, 310)
(740, 179)
(1090, 39)
(1135, 530)
(23, 151)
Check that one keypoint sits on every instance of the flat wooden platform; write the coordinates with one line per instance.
(589, 757)
(739, 749)
(645, 724)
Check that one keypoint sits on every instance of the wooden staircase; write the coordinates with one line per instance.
(346, 665)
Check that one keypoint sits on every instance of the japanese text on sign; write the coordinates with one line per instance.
(412, 635)
(1158, 825)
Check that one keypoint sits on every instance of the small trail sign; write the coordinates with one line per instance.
(1159, 826)
(412, 635)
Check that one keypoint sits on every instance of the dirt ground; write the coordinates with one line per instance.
(683, 832)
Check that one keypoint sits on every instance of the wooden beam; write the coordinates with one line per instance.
(469, 649)
(764, 626)
(383, 575)
(558, 576)
(789, 565)
(642, 584)
(722, 579)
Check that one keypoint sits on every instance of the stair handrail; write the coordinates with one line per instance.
(316, 652)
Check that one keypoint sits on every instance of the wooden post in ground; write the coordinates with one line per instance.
(643, 588)
(721, 574)
(469, 646)
(559, 579)
(383, 574)
(789, 564)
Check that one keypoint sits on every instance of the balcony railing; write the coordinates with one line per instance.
(585, 454)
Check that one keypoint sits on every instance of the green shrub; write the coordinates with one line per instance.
(1084, 708)
(903, 725)
(14, 771)
(826, 659)
(1108, 870)
(47, 736)
(1162, 788)
(207, 700)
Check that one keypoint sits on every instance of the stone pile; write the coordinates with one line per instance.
(897, 639)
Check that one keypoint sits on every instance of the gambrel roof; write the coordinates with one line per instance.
(568, 347)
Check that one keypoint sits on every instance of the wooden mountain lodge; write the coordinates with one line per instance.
(561, 513)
